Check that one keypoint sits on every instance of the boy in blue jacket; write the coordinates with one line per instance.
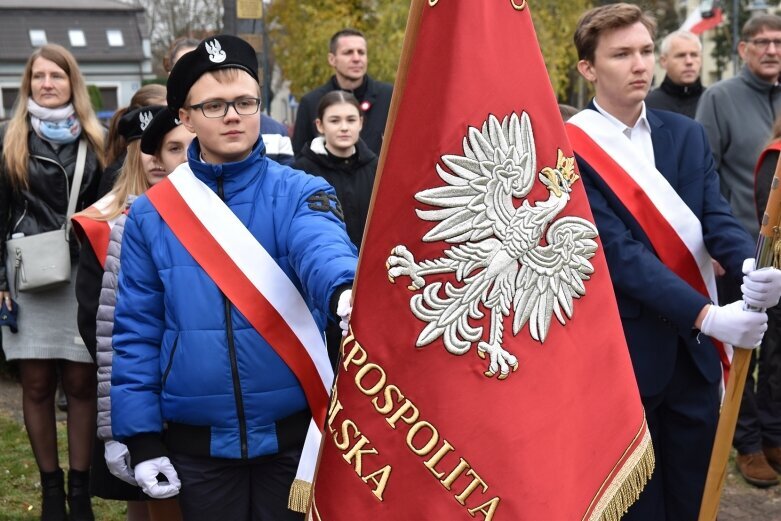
(231, 268)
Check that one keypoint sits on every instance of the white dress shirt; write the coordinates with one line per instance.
(639, 134)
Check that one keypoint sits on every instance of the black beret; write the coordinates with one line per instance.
(216, 52)
(133, 122)
(163, 122)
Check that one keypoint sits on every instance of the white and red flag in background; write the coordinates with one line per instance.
(697, 24)
(486, 373)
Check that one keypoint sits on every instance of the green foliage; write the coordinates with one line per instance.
(722, 48)
(300, 32)
(387, 37)
(555, 23)
(95, 98)
(723, 40)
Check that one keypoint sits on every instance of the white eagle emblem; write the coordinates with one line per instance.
(216, 54)
(144, 118)
(499, 261)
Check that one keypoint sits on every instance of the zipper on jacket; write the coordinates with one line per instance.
(170, 360)
(234, 361)
(19, 221)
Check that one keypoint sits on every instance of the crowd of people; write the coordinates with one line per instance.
(189, 403)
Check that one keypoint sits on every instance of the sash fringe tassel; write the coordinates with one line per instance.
(300, 494)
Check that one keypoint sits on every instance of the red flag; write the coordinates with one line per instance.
(486, 374)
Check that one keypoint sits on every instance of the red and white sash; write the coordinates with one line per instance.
(252, 280)
(96, 231)
(673, 229)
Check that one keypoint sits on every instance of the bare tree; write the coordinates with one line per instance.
(167, 20)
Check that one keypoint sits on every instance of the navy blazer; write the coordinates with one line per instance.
(657, 308)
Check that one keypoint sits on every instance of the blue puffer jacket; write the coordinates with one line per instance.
(219, 387)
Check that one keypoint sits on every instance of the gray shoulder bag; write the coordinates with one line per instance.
(43, 261)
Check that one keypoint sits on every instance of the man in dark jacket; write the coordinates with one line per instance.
(681, 57)
(665, 158)
(348, 56)
(738, 115)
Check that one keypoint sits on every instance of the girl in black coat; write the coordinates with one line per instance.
(342, 158)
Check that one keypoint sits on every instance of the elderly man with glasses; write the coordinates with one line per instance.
(738, 115)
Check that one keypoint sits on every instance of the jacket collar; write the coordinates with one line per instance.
(233, 176)
(362, 93)
(318, 146)
(681, 91)
(40, 147)
(755, 82)
(316, 151)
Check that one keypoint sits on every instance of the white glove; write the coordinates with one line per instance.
(761, 288)
(344, 308)
(118, 461)
(146, 476)
(734, 325)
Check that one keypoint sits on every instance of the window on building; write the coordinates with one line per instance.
(108, 98)
(115, 38)
(37, 37)
(76, 37)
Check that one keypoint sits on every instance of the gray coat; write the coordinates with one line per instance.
(105, 328)
(738, 116)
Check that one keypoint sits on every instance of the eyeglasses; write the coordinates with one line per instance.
(219, 108)
(764, 43)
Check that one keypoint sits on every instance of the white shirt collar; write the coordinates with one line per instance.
(642, 121)
(639, 134)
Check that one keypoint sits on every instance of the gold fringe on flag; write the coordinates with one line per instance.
(627, 483)
(300, 495)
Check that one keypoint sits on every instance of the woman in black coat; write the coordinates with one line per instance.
(342, 158)
(39, 155)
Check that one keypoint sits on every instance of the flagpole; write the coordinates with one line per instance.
(722, 446)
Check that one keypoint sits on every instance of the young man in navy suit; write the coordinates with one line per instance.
(650, 179)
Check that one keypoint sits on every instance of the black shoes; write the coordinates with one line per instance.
(79, 503)
(53, 496)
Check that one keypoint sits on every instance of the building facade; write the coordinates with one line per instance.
(106, 37)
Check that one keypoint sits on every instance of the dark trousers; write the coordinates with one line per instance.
(682, 420)
(759, 421)
(237, 490)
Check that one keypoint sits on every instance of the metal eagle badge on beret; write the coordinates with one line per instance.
(216, 54)
(156, 128)
(500, 262)
(135, 121)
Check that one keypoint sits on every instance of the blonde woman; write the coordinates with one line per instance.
(39, 148)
